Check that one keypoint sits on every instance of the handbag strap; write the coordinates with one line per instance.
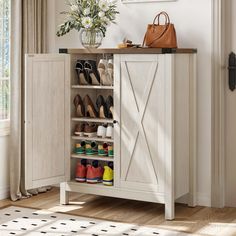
(167, 18)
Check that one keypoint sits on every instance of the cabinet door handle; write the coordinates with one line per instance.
(115, 121)
(232, 71)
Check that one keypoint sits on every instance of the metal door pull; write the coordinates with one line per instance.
(232, 71)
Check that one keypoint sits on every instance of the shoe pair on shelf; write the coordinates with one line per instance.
(104, 131)
(93, 130)
(105, 150)
(87, 72)
(92, 148)
(93, 173)
(105, 107)
(86, 108)
(86, 147)
(105, 69)
(90, 173)
(86, 129)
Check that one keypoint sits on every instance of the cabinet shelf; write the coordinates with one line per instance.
(92, 87)
(99, 158)
(93, 139)
(95, 120)
(91, 186)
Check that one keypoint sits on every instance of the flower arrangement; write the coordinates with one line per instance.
(88, 14)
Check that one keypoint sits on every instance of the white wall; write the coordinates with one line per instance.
(193, 24)
(4, 167)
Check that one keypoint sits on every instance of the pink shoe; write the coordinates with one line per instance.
(94, 173)
(81, 171)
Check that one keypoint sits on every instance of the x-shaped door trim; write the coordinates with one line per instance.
(140, 110)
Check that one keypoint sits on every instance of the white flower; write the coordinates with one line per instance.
(74, 8)
(87, 22)
(86, 11)
(101, 14)
(104, 5)
(106, 21)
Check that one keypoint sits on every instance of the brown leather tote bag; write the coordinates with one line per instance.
(160, 36)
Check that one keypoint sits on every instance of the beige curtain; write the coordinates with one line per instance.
(28, 35)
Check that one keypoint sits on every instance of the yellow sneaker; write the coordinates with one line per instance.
(108, 174)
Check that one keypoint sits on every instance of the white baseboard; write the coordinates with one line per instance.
(203, 199)
(183, 199)
(4, 193)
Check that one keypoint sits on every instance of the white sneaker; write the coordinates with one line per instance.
(101, 132)
(110, 131)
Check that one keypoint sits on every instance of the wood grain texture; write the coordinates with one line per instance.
(117, 138)
(193, 131)
(47, 93)
(169, 138)
(182, 119)
(142, 111)
(127, 51)
(48, 119)
(198, 220)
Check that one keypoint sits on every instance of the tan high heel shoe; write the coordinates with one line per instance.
(90, 110)
(102, 70)
(110, 71)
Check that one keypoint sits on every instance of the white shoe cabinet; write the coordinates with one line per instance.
(154, 133)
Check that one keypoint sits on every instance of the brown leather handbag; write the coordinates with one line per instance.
(160, 36)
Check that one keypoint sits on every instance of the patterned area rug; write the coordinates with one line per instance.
(25, 221)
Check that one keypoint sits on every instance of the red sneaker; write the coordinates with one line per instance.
(94, 174)
(81, 171)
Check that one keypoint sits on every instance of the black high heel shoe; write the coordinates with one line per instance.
(102, 108)
(82, 78)
(92, 74)
(109, 105)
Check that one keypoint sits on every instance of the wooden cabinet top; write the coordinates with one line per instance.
(127, 50)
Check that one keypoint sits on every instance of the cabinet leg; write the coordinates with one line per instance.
(170, 211)
(64, 195)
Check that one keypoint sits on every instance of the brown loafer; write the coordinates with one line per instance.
(79, 129)
(90, 130)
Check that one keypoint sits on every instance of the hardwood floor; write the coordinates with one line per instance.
(199, 220)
